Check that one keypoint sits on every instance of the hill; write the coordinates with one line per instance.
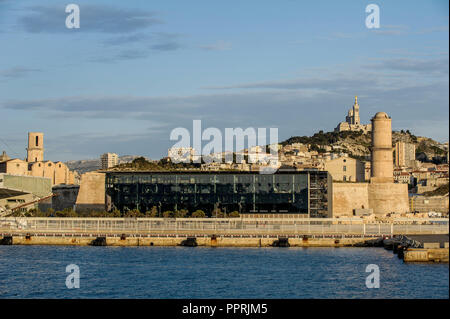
(357, 144)
(164, 164)
(83, 166)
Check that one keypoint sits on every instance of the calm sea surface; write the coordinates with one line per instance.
(184, 272)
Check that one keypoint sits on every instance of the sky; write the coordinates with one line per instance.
(135, 70)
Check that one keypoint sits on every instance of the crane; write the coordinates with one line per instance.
(6, 212)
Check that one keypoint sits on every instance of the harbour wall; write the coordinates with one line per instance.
(208, 241)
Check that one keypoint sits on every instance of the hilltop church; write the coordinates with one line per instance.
(352, 121)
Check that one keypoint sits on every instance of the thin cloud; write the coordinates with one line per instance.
(132, 55)
(378, 78)
(430, 66)
(154, 38)
(218, 46)
(126, 39)
(391, 30)
(139, 46)
(294, 112)
(166, 46)
(433, 29)
(17, 72)
(93, 18)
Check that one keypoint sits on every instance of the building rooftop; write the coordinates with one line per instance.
(381, 115)
(279, 171)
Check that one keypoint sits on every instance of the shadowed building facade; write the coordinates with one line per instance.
(285, 192)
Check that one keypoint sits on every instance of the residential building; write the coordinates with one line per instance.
(405, 154)
(346, 169)
(182, 154)
(109, 160)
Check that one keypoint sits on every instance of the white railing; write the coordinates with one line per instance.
(300, 226)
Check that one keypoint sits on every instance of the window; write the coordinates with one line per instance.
(345, 168)
(37, 140)
(345, 178)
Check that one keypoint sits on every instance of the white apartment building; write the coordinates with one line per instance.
(109, 160)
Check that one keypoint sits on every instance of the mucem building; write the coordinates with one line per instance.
(284, 192)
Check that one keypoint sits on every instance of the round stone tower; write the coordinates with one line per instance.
(35, 150)
(382, 160)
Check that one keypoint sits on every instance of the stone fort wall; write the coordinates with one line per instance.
(388, 197)
(349, 196)
(91, 195)
(383, 198)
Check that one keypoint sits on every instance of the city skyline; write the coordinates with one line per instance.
(131, 74)
(237, 157)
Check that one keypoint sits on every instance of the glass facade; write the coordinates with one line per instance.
(303, 192)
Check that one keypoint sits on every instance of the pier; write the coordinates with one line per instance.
(227, 226)
(216, 232)
(189, 240)
(432, 248)
(417, 248)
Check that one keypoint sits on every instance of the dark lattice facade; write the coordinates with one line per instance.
(292, 192)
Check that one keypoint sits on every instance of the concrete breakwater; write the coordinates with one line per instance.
(425, 248)
(181, 240)
(426, 255)
(408, 249)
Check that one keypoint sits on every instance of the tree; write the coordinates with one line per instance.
(218, 213)
(198, 214)
(133, 213)
(181, 213)
(115, 213)
(35, 212)
(50, 212)
(69, 212)
(153, 212)
(28, 214)
(234, 214)
(140, 161)
(168, 214)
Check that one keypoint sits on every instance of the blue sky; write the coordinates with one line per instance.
(135, 70)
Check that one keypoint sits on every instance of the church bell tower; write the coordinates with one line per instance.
(356, 112)
(35, 149)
